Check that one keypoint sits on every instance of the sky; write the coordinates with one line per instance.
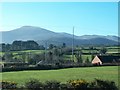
(87, 18)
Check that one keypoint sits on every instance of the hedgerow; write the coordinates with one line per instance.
(8, 85)
(79, 84)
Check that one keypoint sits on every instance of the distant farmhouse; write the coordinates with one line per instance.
(100, 60)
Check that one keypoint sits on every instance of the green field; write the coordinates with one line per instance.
(112, 51)
(18, 54)
(25, 51)
(63, 75)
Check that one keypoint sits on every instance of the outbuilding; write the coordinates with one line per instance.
(100, 60)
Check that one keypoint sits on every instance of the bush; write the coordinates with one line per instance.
(34, 84)
(103, 85)
(78, 84)
(52, 85)
(8, 85)
(64, 86)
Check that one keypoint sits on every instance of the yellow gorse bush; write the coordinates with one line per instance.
(8, 84)
(78, 83)
(12, 82)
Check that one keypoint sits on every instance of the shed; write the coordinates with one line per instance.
(99, 60)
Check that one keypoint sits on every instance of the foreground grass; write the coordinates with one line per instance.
(63, 75)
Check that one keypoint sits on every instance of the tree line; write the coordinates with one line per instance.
(21, 45)
(52, 54)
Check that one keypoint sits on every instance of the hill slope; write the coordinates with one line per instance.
(43, 35)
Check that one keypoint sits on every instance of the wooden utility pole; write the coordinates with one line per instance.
(46, 51)
(73, 46)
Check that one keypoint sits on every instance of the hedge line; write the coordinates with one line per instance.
(50, 67)
(80, 84)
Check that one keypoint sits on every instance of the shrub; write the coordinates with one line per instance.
(21, 87)
(103, 84)
(78, 84)
(63, 86)
(52, 85)
(34, 84)
(8, 85)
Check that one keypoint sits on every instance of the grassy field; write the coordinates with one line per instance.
(24, 51)
(112, 51)
(63, 75)
(18, 54)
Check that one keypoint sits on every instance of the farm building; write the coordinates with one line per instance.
(100, 60)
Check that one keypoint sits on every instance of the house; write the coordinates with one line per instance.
(100, 60)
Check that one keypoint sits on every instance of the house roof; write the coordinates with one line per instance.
(109, 59)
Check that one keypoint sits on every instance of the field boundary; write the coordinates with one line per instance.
(50, 67)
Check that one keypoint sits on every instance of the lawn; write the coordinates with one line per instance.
(63, 75)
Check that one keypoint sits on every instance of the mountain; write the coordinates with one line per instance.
(42, 35)
(110, 37)
(27, 32)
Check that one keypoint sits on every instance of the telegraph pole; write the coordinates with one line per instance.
(46, 51)
(73, 46)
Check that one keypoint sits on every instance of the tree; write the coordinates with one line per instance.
(7, 47)
(3, 47)
(8, 56)
(56, 51)
(17, 45)
(49, 57)
(92, 56)
(78, 55)
(24, 57)
(56, 54)
(64, 45)
(87, 60)
(25, 45)
(31, 61)
(91, 47)
(103, 50)
(41, 47)
(39, 57)
(32, 45)
(51, 46)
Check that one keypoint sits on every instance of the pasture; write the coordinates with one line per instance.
(86, 50)
(63, 75)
